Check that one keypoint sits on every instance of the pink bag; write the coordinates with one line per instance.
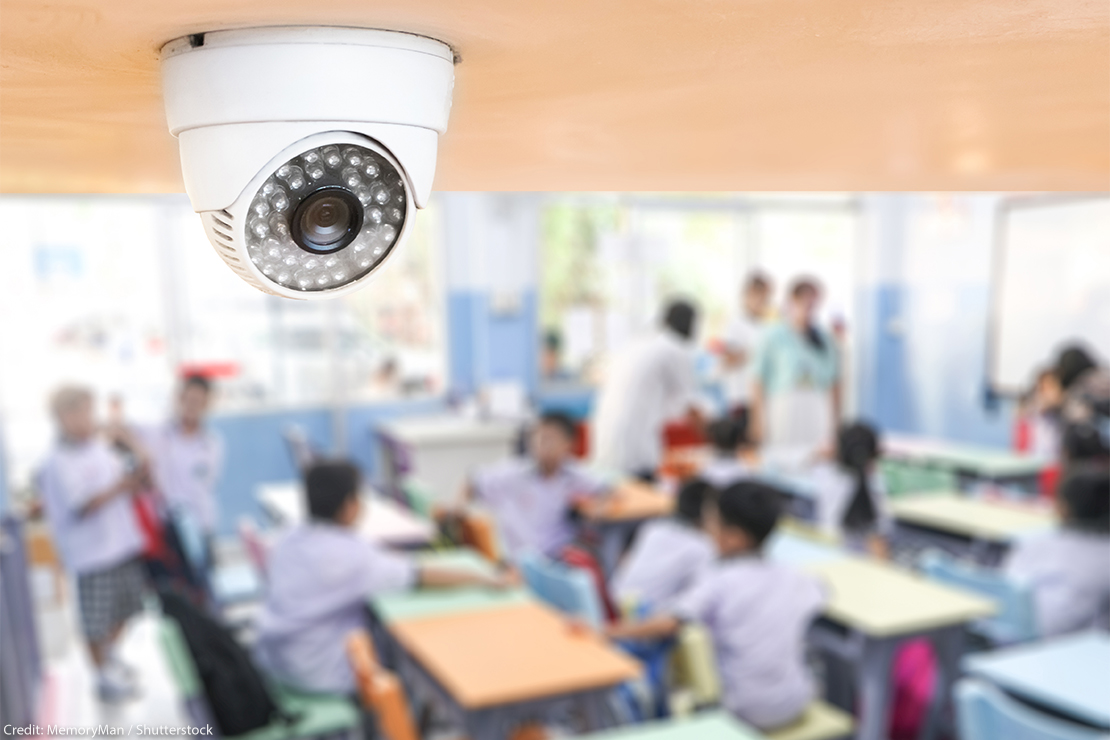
(914, 678)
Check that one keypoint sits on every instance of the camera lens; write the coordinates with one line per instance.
(327, 220)
(326, 217)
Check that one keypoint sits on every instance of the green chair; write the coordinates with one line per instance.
(317, 715)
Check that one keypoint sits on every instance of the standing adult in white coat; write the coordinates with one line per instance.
(650, 381)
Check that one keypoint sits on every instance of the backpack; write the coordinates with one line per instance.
(238, 696)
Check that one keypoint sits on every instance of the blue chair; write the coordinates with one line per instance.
(1016, 619)
(570, 590)
(229, 584)
(983, 712)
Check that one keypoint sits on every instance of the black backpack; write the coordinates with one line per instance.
(238, 695)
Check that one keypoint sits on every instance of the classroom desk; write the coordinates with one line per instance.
(390, 608)
(873, 607)
(978, 528)
(1069, 675)
(707, 726)
(382, 520)
(495, 669)
(968, 462)
(630, 503)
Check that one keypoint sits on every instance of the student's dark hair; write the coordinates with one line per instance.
(1073, 361)
(857, 446)
(199, 382)
(809, 286)
(561, 421)
(690, 504)
(1086, 494)
(1082, 442)
(681, 317)
(329, 485)
(804, 286)
(727, 434)
(752, 507)
(552, 340)
(757, 281)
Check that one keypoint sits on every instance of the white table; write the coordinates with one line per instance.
(873, 608)
(382, 520)
(980, 529)
(443, 450)
(1069, 675)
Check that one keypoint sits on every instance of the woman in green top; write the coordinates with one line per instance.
(797, 377)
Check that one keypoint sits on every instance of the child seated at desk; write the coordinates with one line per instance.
(728, 438)
(533, 499)
(320, 577)
(1069, 568)
(668, 554)
(757, 611)
(850, 493)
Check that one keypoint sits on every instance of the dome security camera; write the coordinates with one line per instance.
(306, 149)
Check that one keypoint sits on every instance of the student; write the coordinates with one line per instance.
(651, 381)
(757, 612)
(87, 497)
(728, 438)
(850, 492)
(533, 498)
(741, 341)
(319, 578)
(1038, 420)
(668, 554)
(1069, 568)
(187, 457)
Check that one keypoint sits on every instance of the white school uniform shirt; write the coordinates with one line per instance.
(319, 579)
(742, 335)
(722, 472)
(1069, 572)
(651, 380)
(834, 487)
(186, 469)
(72, 476)
(757, 613)
(532, 510)
(666, 558)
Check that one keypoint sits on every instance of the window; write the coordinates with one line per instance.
(609, 263)
(124, 292)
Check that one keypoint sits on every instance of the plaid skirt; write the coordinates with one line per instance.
(108, 597)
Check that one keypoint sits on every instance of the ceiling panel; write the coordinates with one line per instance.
(621, 95)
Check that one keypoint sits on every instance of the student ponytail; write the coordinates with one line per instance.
(857, 447)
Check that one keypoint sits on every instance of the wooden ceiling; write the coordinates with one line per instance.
(621, 94)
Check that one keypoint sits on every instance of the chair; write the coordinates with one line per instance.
(819, 721)
(569, 590)
(379, 690)
(1016, 619)
(316, 715)
(694, 668)
(479, 533)
(301, 450)
(983, 712)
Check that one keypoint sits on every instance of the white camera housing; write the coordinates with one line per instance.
(252, 107)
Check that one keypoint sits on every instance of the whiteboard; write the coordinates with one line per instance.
(1051, 284)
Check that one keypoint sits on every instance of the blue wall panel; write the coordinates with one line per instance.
(256, 451)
